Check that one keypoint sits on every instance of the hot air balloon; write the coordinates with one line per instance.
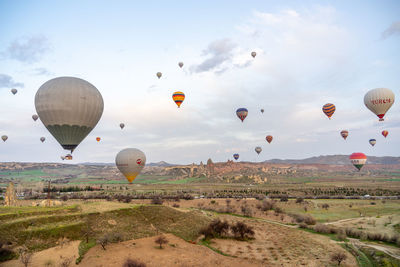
(344, 134)
(180, 64)
(35, 117)
(253, 54)
(258, 150)
(14, 91)
(4, 138)
(385, 133)
(62, 157)
(122, 125)
(98, 139)
(69, 108)
(262, 110)
(372, 142)
(329, 109)
(236, 156)
(178, 97)
(68, 157)
(269, 138)
(42, 139)
(130, 162)
(379, 101)
(159, 74)
(358, 160)
(242, 113)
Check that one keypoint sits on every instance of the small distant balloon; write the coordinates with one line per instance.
(122, 125)
(269, 138)
(253, 54)
(262, 110)
(98, 139)
(236, 156)
(385, 133)
(178, 98)
(4, 138)
(242, 113)
(329, 109)
(180, 64)
(379, 101)
(372, 142)
(358, 160)
(344, 134)
(130, 162)
(258, 150)
(14, 91)
(62, 157)
(159, 74)
(42, 139)
(35, 117)
(68, 157)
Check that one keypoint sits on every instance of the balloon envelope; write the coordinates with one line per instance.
(130, 162)
(180, 64)
(242, 113)
(379, 100)
(385, 133)
(344, 134)
(159, 74)
(253, 54)
(35, 117)
(329, 109)
(178, 98)
(269, 138)
(122, 125)
(258, 150)
(372, 142)
(262, 110)
(236, 156)
(4, 138)
(14, 91)
(42, 139)
(358, 160)
(69, 108)
(98, 139)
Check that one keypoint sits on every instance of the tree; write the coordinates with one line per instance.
(161, 240)
(133, 263)
(338, 257)
(87, 229)
(242, 230)
(103, 241)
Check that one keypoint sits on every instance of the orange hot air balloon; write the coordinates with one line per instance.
(98, 139)
(385, 133)
(344, 134)
(178, 97)
(269, 138)
(329, 109)
(358, 160)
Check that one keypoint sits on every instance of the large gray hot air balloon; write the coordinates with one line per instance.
(42, 139)
(4, 138)
(69, 108)
(122, 125)
(130, 161)
(14, 91)
(35, 117)
(258, 150)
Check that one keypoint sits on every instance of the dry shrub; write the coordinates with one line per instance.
(161, 240)
(175, 205)
(284, 199)
(338, 257)
(241, 231)
(299, 218)
(246, 210)
(266, 205)
(303, 226)
(299, 200)
(133, 263)
(325, 206)
(157, 201)
(216, 228)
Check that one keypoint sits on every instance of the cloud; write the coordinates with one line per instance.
(219, 52)
(6, 81)
(42, 71)
(28, 50)
(392, 30)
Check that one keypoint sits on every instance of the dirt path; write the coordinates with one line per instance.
(344, 220)
(391, 251)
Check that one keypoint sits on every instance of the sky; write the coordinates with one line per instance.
(309, 53)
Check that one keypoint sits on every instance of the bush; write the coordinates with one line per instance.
(284, 199)
(103, 241)
(175, 205)
(299, 200)
(322, 228)
(303, 226)
(241, 231)
(338, 257)
(133, 263)
(341, 236)
(278, 210)
(246, 210)
(64, 198)
(216, 228)
(325, 206)
(161, 240)
(115, 237)
(212, 202)
(157, 201)
(309, 220)
(299, 218)
(266, 205)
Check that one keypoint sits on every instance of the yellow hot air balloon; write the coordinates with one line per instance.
(159, 74)
(178, 97)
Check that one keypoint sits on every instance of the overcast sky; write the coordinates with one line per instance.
(309, 53)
